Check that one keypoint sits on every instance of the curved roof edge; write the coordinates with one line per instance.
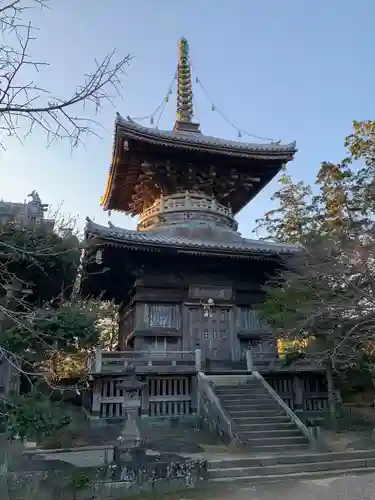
(147, 238)
(201, 141)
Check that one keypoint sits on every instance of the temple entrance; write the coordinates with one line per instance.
(211, 333)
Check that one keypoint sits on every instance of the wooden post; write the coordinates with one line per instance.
(198, 360)
(249, 360)
(297, 394)
(194, 394)
(96, 398)
(10, 376)
(98, 359)
(145, 395)
(331, 393)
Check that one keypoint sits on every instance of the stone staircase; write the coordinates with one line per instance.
(262, 424)
(309, 465)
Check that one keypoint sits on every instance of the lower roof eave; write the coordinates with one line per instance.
(202, 251)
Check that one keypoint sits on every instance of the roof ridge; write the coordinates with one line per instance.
(201, 139)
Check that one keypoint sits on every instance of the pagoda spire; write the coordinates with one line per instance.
(184, 91)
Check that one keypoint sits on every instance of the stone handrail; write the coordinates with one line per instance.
(293, 417)
(211, 411)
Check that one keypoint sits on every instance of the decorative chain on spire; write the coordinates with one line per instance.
(185, 89)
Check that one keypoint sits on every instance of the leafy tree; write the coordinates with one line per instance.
(327, 293)
(292, 220)
(33, 417)
(40, 259)
(54, 340)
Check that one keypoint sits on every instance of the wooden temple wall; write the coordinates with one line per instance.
(163, 396)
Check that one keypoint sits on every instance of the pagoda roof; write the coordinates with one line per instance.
(116, 236)
(200, 142)
(134, 142)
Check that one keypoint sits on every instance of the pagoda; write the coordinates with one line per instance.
(186, 281)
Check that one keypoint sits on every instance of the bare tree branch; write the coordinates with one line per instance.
(25, 105)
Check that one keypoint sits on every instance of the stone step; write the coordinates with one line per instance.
(251, 405)
(238, 390)
(243, 480)
(266, 427)
(304, 457)
(251, 384)
(277, 470)
(266, 440)
(257, 412)
(274, 433)
(245, 396)
(292, 448)
(241, 396)
(258, 420)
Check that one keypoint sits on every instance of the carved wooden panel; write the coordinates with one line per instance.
(211, 292)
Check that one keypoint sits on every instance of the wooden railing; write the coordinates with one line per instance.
(272, 360)
(108, 362)
(213, 414)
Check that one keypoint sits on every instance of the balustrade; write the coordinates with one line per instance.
(111, 362)
(182, 202)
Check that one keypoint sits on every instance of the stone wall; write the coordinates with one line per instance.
(51, 479)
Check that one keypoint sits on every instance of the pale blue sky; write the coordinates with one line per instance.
(286, 69)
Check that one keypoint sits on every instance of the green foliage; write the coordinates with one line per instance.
(34, 416)
(328, 291)
(68, 329)
(40, 259)
(291, 220)
(80, 481)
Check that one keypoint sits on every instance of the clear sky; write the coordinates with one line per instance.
(286, 69)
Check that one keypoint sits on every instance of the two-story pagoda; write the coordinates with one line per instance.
(186, 281)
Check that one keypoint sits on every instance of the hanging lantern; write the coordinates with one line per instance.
(196, 79)
(239, 133)
(166, 98)
(152, 120)
(99, 257)
(213, 107)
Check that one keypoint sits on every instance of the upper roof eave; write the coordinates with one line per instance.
(200, 142)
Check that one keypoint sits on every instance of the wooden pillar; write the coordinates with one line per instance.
(198, 360)
(96, 398)
(9, 375)
(145, 395)
(249, 360)
(194, 394)
(298, 393)
(98, 359)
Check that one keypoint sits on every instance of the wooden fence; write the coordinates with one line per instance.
(161, 397)
(307, 393)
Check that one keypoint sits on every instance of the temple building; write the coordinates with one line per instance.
(186, 281)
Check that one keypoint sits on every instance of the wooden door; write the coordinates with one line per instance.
(211, 333)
